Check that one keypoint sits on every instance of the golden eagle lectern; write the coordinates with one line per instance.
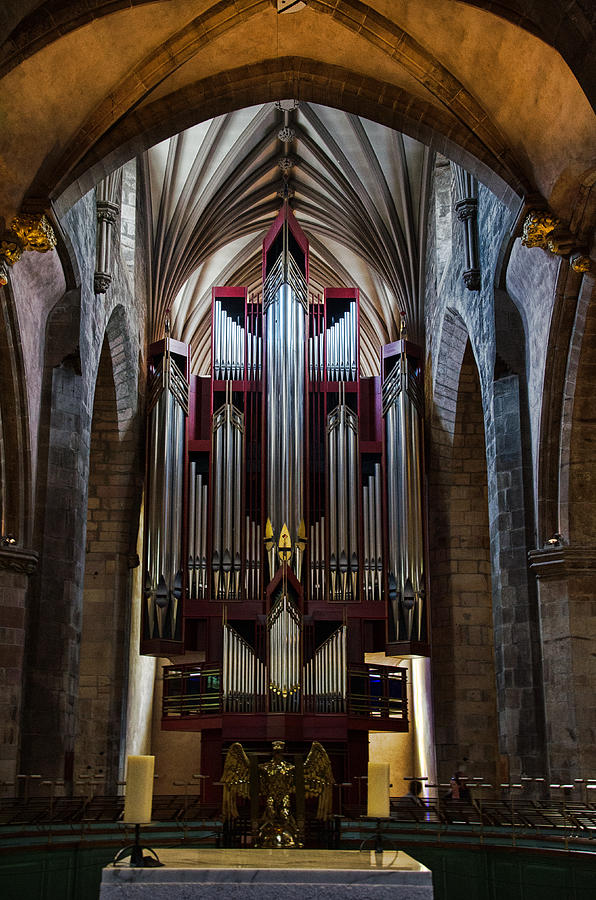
(276, 784)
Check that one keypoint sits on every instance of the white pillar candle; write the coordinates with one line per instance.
(378, 790)
(139, 789)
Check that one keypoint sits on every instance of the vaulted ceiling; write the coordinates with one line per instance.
(502, 87)
(358, 189)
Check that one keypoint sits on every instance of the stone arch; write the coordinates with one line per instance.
(112, 517)
(462, 626)
(557, 404)
(565, 28)
(578, 457)
(16, 560)
(518, 658)
(267, 81)
(15, 466)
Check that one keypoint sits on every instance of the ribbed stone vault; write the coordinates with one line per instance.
(358, 189)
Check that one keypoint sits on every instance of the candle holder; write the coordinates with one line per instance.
(377, 837)
(135, 852)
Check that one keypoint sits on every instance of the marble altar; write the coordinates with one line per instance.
(195, 874)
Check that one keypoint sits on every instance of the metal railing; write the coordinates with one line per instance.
(375, 692)
(192, 690)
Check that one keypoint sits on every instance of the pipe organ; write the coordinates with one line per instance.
(402, 413)
(168, 406)
(284, 518)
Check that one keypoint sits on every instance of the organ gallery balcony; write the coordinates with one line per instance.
(371, 698)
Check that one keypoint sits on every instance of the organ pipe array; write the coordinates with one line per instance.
(373, 536)
(284, 656)
(236, 349)
(243, 673)
(342, 465)
(285, 511)
(197, 533)
(325, 674)
(167, 410)
(226, 557)
(285, 324)
(402, 410)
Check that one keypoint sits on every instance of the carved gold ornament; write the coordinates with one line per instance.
(34, 232)
(538, 226)
(580, 263)
(10, 251)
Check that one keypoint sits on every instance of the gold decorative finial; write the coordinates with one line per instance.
(284, 547)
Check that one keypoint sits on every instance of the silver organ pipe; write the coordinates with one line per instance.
(332, 508)
(191, 529)
(215, 339)
(284, 626)
(218, 475)
(325, 675)
(317, 560)
(203, 545)
(371, 517)
(342, 456)
(197, 488)
(237, 532)
(341, 348)
(285, 324)
(352, 498)
(378, 532)
(242, 673)
(402, 410)
(367, 543)
(231, 346)
(168, 408)
(228, 437)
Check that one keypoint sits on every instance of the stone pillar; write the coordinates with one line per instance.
(16, 564)
(54, 614)
(517, 645)
(567, 604)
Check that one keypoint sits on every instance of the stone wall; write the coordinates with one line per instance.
(74, 340)
(530, 331)
(507, 697)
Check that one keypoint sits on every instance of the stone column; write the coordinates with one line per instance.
(466, 209)
(16, 564)
(567, 605)
(108, 208)
(517, 643)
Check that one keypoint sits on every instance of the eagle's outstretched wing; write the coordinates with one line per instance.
(318, 779)
(235, 780)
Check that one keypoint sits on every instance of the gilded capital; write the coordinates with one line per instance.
(580, 263)
(538, 226)
(10, 251)
(34, 232)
